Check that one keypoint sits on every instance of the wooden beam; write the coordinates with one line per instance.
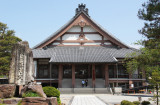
(88, 22)
(73, 75)
(81, 41)
(93, 75)
(50, 72)
(81, 32)
(102, 32)
(80, 45)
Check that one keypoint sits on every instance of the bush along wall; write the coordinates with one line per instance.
(52, 92)
(126, 102)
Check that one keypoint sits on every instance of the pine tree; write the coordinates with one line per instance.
(7, 40)
(151, 30)
(149, 58)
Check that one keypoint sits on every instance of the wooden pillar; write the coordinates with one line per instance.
(130, 81)
(60, 76)
(106, 75)
(93, 76)
(73, 75)
(50, 72)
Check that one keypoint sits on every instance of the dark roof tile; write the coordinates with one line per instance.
(81, 54)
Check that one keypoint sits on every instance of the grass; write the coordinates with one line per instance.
(3, 76)
(30, 94)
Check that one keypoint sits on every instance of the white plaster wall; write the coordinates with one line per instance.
(92, 43)
(35, 68)
(93, 37)
(105, 38)
(56, 43)
(71, 43)
(70, 37)
(75, 29)
(58, 38)
(107, 43)
(88, 29)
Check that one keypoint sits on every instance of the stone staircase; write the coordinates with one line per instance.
(67, 83)
(85, 90)
(67, 87)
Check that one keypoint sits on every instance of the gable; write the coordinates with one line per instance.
(81, 30)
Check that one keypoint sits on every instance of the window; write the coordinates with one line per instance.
(122, 72)
(98, 71)
(67, 71)
(54, 71)
(111, 71)
(43, 71)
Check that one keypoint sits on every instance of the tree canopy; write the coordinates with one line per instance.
(149, 59)
(150, 13)
(7, 40)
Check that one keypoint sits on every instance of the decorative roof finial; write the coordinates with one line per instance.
(81, 8)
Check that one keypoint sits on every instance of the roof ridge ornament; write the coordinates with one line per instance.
(82, 8)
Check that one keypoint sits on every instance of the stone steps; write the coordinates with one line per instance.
(84, 90)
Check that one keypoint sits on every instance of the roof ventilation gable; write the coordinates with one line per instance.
(81, 8)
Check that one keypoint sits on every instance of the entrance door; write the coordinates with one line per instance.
(83, 71)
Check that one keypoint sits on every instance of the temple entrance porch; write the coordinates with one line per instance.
(73, 74)
(100, 76)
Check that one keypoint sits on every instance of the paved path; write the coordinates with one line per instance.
(87, 100)
(116, 99)
(99, 99)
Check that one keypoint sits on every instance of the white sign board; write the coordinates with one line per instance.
(132, 85)
(118, 89)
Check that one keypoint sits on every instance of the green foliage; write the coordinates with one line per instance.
(19, 102)
(2, 104)
(151, 30)
(136, 102)
(30, 94)
(145, 103)
(125, 102)
(148, 57)
(59, 101)
(52, 92)
(7, 40)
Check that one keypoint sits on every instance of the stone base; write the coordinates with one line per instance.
(35, 88)
(7, 90)
(39, 101)
(11, 101)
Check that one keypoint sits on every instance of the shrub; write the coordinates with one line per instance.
(30, 94)
(52, 92)
(136, 102)
(19, 102)
(145, 103)
(2, 104)
(125, 102)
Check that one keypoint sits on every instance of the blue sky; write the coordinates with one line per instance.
(35, 20)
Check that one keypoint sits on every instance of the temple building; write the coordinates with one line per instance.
(80, 50)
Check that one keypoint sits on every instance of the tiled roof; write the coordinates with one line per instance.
(79, 54)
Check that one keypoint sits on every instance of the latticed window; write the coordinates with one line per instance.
(43, 71)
